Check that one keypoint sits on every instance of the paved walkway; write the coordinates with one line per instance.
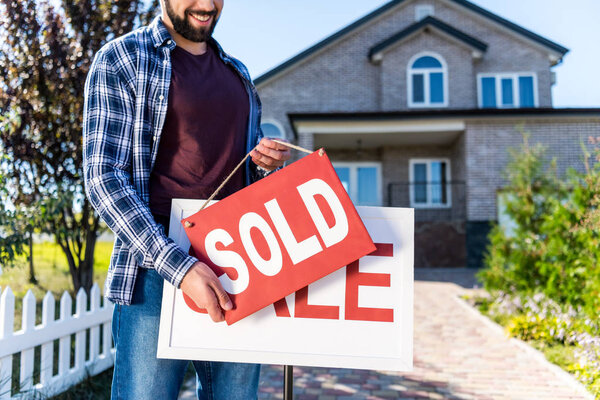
(458, 354)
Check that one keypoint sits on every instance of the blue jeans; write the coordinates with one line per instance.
(139, 375)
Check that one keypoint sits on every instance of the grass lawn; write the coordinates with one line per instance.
(51, 271)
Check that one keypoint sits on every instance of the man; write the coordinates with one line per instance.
(167, 115)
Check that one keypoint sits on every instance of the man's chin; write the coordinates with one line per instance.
(196, 36)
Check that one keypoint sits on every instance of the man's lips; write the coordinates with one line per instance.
(201, 19)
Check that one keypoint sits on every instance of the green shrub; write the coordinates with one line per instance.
(554, 246)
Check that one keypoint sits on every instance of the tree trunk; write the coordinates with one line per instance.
(86, 267)
(73, 269)
(32, 278)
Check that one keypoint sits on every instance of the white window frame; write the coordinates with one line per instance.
(429, 204)
(277, 124)
(353, 166)
(515, 80)
(410, 71)
(423, 11)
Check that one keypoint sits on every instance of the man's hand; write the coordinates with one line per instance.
(202, 285)
(269, 154)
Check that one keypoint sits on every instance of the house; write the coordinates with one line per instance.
(416, 104)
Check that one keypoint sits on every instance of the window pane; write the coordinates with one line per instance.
(526, 91)
(420, 173)
(420, 183)
(436, 179)
(367, 186)
(488, 92)
(271, 130)
(418, 88)
(438, 183)
(507, 92)
(444, 184)
(436, 171)
(427, 62)
(344, 174)
(436, 87)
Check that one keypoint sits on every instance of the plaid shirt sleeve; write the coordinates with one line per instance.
(109, 117)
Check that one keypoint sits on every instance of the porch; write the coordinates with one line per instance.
(417, 163)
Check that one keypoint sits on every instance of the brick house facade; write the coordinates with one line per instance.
(417, 104)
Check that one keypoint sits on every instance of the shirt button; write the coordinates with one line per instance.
(161, 97)
(168, 41)
(165, 62)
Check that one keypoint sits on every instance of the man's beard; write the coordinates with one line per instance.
(185, 28)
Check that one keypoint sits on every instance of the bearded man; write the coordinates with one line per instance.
(168, 114)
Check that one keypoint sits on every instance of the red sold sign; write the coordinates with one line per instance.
(278, 235)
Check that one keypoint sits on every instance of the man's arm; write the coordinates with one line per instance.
(109, 113)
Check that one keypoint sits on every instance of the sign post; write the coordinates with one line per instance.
(288, 382)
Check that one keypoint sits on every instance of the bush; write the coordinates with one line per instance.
(554, 246)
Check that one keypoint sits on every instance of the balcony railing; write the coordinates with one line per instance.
(432, 201)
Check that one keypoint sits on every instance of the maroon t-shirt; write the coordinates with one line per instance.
(204, 135)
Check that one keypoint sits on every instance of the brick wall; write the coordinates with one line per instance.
(486, 144)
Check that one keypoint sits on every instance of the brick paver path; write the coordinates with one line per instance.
(458, 354)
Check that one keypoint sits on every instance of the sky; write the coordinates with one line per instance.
(264, 33)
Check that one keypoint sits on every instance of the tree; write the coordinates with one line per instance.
(12, 242)
(45, 55)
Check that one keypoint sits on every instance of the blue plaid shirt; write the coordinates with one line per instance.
(126, 95)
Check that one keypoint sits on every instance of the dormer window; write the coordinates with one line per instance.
(427, 81)
(423, 11)
(512, 90)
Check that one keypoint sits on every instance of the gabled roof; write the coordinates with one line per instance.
(423, 24)
(512, 26)
(388, 6)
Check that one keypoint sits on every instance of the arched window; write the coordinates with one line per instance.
(427, 81)
(272, 129)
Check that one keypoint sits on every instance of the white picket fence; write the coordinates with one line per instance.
(24, 341)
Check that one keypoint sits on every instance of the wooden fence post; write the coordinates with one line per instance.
(81, 305)
(47, 348)
(28, 325)
(64, 344)
(7, 320)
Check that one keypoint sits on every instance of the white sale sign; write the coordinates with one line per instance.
(360, 316)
